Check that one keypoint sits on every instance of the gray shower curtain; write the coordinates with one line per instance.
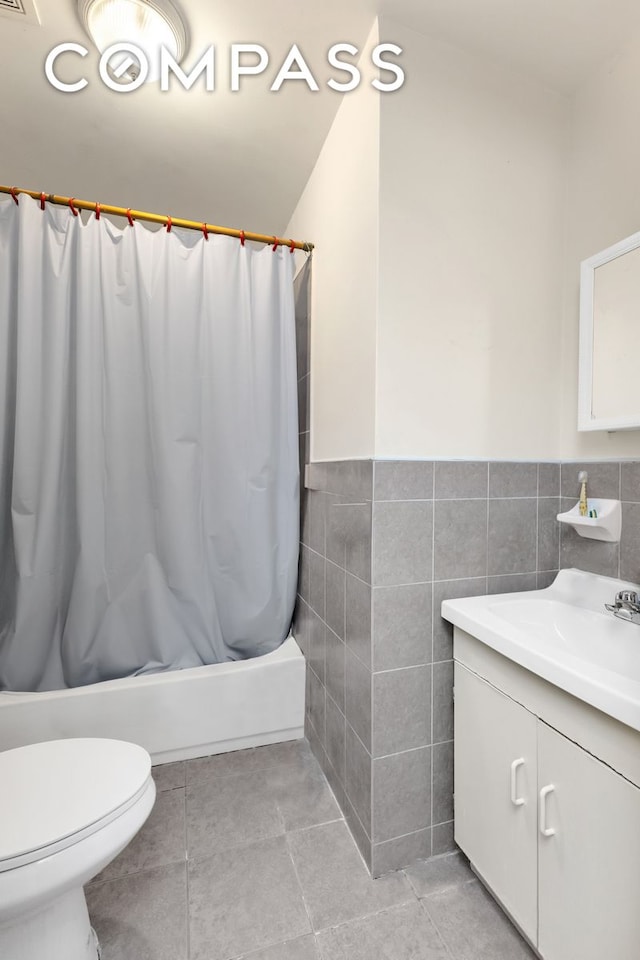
(148, 449)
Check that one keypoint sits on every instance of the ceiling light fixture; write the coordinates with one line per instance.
(148, 24)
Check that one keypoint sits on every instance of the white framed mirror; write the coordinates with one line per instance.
(609, 378)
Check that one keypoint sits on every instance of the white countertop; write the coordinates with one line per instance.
(564, 635)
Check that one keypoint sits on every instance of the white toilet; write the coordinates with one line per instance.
(67, 808)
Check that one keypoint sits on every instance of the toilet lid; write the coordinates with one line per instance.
(53, 790)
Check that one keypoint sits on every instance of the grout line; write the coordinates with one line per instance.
(375, 913)
(421, 900)
(486, 558)
(619, 544)
(276, 802)
(518, 496)
(409, 666)
(338, 708)
(445, 823)
(323, 823)
(186, 852)
(273, 946)
(538, 525)
(299, 882)
(560, 525)
(352, 807)
(356, 735)
(441, 743)
(426, 583)
(403, 836)
(240, 845)
(405, 500)
(136, 873)
(159, 791)
(431, 764)
(526, 496)
(433, 672)
(367, 667)
(239, 773)
(353, 839)
(433, 553)
(401, 753)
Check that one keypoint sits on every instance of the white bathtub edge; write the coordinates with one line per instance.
(227, 746)
(187, 714)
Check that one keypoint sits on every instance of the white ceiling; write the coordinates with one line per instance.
(558, 42)
(243, 159)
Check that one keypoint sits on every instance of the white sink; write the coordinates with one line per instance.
(565, 635)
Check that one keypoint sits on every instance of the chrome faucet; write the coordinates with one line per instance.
(626, 606)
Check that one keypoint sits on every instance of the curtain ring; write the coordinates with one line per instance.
(169, 224)
(129, 217)
(275, 245)
(205, 231)
(73, 209)
(242, 238)
(97, 211)
(292, 248)
(14, 194)
(43, 197)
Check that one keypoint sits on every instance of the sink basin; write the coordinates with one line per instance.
(564, 635)
(560, 629)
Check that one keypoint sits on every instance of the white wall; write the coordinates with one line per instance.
(339, 212)
(478, 192)
(603, 206)
(472, 190)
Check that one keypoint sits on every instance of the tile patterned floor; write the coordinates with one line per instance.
(246, 855)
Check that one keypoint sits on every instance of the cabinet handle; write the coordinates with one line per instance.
(515, 800)
(544, 830)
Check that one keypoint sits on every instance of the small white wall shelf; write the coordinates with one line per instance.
(606, 526)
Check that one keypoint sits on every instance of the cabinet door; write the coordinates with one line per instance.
(589, 868)
(495, 793)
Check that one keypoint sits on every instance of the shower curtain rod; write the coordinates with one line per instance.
(167, 221)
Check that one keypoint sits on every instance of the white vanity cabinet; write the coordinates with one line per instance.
(495, 794)
(589, 868)
(547, 807)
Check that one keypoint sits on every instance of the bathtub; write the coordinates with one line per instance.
(177, 715)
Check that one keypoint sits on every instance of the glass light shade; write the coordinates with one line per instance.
(149, 24)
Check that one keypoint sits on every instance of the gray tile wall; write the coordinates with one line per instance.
(613, 481)
(382, 545)
(440, 530)
(333, 627)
